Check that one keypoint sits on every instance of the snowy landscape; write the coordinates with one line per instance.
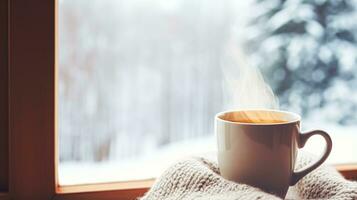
(141, 80)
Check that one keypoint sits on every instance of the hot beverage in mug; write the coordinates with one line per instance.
(259, 148)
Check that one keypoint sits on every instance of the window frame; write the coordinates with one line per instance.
(32, 82)
(32, 99)
(4, 100)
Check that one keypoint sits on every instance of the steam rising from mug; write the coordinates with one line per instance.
(244, 86)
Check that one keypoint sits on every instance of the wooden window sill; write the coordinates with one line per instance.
(105, 191)
(130, 185)
(349, 171)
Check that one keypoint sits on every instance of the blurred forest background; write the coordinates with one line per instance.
(137, 75)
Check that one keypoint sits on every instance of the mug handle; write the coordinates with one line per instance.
(303, 137)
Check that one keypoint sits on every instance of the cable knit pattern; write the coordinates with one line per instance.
(199, 179)
(324, 183)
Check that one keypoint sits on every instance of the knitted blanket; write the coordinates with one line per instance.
(199, 179)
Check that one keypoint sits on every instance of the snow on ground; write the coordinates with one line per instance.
(145, 167)
(151, 165)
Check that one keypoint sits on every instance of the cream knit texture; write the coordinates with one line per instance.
(199, 179)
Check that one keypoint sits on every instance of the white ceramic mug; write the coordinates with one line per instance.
(259, 148)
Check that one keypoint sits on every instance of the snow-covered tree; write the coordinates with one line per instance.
(307, 51)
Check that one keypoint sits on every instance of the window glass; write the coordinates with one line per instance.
(141, 80)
